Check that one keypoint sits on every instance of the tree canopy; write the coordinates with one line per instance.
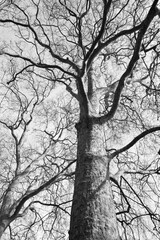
(79, 77)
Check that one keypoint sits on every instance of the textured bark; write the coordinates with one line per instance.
(93, 214)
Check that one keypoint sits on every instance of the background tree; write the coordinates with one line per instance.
(106, 55)
(36, 155)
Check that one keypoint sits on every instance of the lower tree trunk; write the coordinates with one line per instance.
(93, 213)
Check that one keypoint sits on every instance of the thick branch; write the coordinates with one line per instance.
(120, 34)
(38, 65)
(112, 39)
(47, 46)
(135, 140)
(100, 34)
(151, 14)
(38, 190)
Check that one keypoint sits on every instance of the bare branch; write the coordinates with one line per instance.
(151, 14)
(106, 9)
(39, 189)
(62, 60)
(134, 141)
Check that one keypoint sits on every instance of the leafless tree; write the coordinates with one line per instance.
(34, 165)
(105, 54)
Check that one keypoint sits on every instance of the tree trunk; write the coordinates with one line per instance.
(93, 213)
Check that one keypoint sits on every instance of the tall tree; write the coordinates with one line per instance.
(106, 54)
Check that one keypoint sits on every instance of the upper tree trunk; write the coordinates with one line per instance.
(93, 213)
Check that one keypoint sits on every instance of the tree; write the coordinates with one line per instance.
(32, 158)
(106, 54)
